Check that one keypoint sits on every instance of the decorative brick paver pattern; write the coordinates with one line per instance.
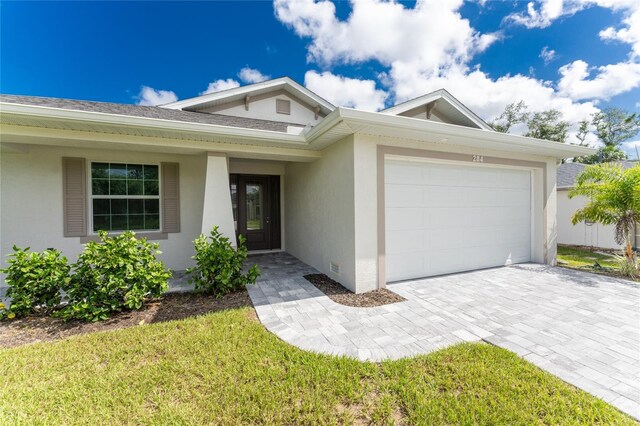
(584, 328)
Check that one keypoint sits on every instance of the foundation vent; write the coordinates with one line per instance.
(334, 267)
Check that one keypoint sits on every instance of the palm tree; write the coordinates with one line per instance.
(614, 199)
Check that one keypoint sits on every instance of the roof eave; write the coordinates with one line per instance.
(435, 95)
(494, 140)
(127, 121)
(236, 91)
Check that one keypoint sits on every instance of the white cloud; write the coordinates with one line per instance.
(423, 49)
(251, 75)
(221, 84)
(629, 33)
(610, 80)
(487, 97)
(432, 35)
(546, 12)
(149, 96)
(547, 54)
(542, 13)
(344, 91)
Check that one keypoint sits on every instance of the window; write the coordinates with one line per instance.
(283, 106)
(125, 197)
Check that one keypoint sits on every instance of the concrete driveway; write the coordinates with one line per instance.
(584, 328)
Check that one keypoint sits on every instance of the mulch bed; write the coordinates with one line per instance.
(170, 307)
(339, 294)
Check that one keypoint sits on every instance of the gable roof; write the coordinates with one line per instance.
(148, 112)
(447, 104)
(567, 173)
(238, 93)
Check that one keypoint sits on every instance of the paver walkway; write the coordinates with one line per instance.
(584, 328)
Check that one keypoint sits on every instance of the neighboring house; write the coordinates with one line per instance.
(589, 234)
(423, 188)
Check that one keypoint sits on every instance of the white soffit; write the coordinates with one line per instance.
(446, 103)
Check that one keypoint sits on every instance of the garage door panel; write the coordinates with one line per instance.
(402, 219)
(405, 266)
(403, 173)
(403, 196)
(444, 239)
(402, 242)
(454, 218)
(440, 175)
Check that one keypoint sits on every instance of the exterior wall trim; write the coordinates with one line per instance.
(384, 150)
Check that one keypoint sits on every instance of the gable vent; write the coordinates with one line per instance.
(283, 106)
(334, 267)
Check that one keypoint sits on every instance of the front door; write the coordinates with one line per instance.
(256, 210)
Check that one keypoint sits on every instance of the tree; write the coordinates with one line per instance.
(615, 125)
(514, 113)
(613, 199)
(606, 154)
(583, 132)
(548, 125)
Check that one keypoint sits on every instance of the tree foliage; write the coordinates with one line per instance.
(514, 113)
(614, 126)
(613, 198)
(548, 125)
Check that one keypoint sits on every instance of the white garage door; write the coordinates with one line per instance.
(443, 218)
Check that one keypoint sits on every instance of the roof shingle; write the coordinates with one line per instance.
(148, 112)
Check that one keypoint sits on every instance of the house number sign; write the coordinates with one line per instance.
(477, 159)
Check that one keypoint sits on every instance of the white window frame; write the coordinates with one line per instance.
(91, 197)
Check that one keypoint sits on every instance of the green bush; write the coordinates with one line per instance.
(34, 280)
(118, 273)
(629, 267)
(219, 267)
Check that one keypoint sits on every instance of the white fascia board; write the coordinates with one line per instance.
(298, 90)
(490, 140)
(413, 103)
(149, 123)
(430, 97)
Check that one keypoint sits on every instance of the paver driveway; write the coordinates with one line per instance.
(583, 328)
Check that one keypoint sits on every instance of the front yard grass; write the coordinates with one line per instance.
(585, 259)
(582, 257)
(225, 368)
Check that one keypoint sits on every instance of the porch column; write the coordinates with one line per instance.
(217, 209)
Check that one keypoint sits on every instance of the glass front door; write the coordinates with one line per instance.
(256, 209)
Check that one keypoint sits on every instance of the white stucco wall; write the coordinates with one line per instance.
(31, 200)
(265, 109)
(319, 212)
(217, 209)
(581, 234)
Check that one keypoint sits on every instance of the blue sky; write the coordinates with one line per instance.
(367, 56)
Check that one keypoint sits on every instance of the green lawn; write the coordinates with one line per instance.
(225, 368)
(575, 257)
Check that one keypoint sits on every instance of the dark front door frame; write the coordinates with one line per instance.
(264, 234)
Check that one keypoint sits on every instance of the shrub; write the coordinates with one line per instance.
(118, 273)
(219, 267)
(34, 280)
(629, 266)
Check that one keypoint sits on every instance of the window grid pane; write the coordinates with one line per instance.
(113, 184)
